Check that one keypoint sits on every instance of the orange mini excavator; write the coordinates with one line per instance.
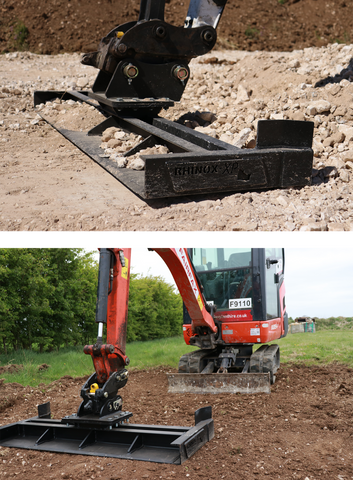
(233, 299)
(240, 296)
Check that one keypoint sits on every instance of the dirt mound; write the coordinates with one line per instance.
(43, 366)
(10, 369)
(303, 429)
(58, 26)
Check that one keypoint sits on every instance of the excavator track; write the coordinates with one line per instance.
(194, 362)
(266, 359)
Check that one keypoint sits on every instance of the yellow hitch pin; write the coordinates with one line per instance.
(94, 387)
(119, 34)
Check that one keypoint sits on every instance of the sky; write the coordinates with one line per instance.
(319, 281)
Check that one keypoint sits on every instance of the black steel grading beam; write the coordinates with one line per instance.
(152, 443)
(199, 164)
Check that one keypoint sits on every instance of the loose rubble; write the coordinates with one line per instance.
(116, 143)
(229, 91)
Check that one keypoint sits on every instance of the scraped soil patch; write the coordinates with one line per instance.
(302, 430)
(58, 26)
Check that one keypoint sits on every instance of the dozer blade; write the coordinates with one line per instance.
(219, 383)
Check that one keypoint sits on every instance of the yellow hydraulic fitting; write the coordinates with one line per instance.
(93, 388)
(119, 34)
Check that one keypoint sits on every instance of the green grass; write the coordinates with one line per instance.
(322, 347)
(68, 361)
(72, 361)
(330, 344)
(165, 351)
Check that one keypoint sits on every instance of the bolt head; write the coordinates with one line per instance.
(122, 48)
(181, 73)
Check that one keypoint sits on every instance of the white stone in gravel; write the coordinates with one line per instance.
(121, 161)
(319, 106)
(120, 135)
(207, 130)
(82, 82)
(114, 143)
(109, 133)
(276, 116)
(344, 176)
(202, 90)
(337, 162)
(226, 138)
(347, 156)
(242, 95)
(347, 130)
(241, 138)
(294, 63)
(136, 164)
(282, 201)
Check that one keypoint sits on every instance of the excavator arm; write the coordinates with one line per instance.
(100, 391)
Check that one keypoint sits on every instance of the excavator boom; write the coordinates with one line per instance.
(178, 262)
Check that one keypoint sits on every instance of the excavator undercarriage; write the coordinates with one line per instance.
(227, 370)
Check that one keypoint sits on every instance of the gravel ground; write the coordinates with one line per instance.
(47, 184)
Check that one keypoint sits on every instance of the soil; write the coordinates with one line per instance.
(303, 430)
(48, 184)
(58, 26)
(12, 368)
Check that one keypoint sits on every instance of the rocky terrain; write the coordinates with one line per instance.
(48, 184)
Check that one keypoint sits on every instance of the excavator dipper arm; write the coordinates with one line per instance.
(100, 392)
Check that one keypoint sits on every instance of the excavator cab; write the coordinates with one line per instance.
(244, 288)
(242, 284)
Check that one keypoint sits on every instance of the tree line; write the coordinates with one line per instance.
(48, 300)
